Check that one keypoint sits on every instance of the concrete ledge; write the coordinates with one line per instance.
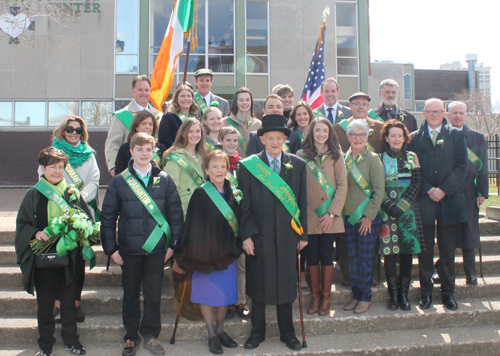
(493, 212)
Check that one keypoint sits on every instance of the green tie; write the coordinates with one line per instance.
(276, 167)
(434, 136)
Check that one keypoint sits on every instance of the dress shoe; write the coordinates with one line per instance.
(449, 302)
(154, 347)
(291, 341)
(471, 280)
(226, 341)
(425, 302)
(352, 305)
(214, 345)
(362, 307)
(243, 311)
(346, 282)
(253, 342)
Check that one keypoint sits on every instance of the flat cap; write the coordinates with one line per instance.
(203, 71)
(360, 95)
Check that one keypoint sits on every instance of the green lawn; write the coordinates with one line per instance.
(493, 200)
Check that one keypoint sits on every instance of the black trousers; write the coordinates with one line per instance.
(446, 243)
(320, 249)
(469, 258)
(341, 255)
(285, 319)
(50, 283)
(148, 271)
(405, 265)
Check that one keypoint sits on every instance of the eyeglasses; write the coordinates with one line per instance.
(365, 105)
(70, 129)
(353, 135)
(434, 112)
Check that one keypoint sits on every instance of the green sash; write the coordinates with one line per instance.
(318, 113)
(373, 114)
(277, 186)
(223, 207)
(325, 184)
(241, 140)
(232, 179)
(78, 182)
(477, 162)
(345, 123)
(286, 148)
(189, 169)
(125, 117)
(156, 158)
(363, 184)
(200, 102)
(209, 147)
(181, 116)
(52, 195)
(302, 138)
(150, 205)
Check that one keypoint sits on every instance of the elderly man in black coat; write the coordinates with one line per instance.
(442, 154)
(476, 188)
(270, 234)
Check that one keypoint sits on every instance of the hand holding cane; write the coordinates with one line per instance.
(304, 344)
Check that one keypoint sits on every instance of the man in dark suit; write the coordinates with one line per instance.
(442, 154)
(204, 97)
(388, 109)
(273, 104)
(270, 234)
(330, 108)
(476, 188)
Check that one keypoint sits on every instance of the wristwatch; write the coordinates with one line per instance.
(330, 215)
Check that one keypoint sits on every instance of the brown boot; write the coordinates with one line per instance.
(315, 289)
(326, 289)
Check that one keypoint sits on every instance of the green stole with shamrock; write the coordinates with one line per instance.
(352, 167)
(223, 207)
(324, 183)
(198, 99)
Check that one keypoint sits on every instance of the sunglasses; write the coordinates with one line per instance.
(70, 129)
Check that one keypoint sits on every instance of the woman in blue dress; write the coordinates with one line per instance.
(210, 247)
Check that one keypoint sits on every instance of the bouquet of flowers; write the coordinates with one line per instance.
(74, 228)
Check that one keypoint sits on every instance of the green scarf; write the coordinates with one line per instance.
(77, 154)
(53, 211)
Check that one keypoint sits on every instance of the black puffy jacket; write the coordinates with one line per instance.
(135, 223)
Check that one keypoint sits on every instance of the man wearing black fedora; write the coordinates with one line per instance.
(273, 223)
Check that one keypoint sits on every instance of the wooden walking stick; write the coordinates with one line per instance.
(172, 340)
(304, 344)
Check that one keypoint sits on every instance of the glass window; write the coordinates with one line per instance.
(200, 30)
(220, 26)
(257, 64)
(121, 104)
(221, 64)
(5, 113)
(58, 110)
(30, 113)
(195, 62)
(97, 113)
(408, 87)
(420, 106)
(347, 45)
(127, 35)
(347, 66)
(257, 29)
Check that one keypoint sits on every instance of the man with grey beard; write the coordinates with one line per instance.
(388, 109)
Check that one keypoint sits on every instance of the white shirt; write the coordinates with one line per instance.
(207, 98)
(271, 158)
(334, 111)
(141, 107)
(143, 174)
(437, 129)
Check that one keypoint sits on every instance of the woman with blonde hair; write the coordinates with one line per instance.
(212, 123)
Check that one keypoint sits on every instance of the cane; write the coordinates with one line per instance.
(172, 340)
(480, 250)
(304, 344)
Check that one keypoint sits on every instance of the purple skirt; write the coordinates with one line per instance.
(215, 289)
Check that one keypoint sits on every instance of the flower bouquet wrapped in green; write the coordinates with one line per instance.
(74, 228)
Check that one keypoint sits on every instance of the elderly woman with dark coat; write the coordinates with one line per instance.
(33, 217)
(401, 234)
(210, 247)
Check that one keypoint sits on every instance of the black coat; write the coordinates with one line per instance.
(123, 156)
(445, 167)
(208, 243)
(135, 223)
(468, 233)
(271, 275)
(255, 145)
(169, 125)
(409, 120)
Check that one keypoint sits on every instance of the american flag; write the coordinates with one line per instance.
(312, 89)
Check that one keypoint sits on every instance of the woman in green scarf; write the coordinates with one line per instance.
(50, 283)
(82, 170)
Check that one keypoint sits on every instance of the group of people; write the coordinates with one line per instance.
(234, 199)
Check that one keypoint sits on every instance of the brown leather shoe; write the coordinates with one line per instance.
(326, 289)
(362, 307)
(315, 289)
(352, 305)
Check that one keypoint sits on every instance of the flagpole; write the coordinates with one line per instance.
(187, 57)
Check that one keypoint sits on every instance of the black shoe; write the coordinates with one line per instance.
(230, 312)
(253, 342)
(80, 316)
(291, 342)
(214, 345)
(76, 349)
(471, 280)
(130, 348)
(449, 302)
(425, 302)
(243, 311)
(226, 341)
(57, 315)
(154, 347)
(44, 353)
(435, 278)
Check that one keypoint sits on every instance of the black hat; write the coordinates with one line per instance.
(360, 95)
(273, 122)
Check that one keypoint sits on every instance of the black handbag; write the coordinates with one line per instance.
(50, 259)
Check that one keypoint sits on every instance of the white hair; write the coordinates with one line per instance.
(356, 125)
(455, 103)
(389, 82)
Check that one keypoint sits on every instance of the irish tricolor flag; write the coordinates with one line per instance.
(181, 23)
